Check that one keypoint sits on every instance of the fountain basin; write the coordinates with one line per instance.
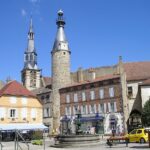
(76, 140)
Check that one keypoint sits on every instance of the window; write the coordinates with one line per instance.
(68, 110)
(130, 91)
(83, 109)
(75, 97)
(83, 96)
(101, 93)
(75, 109)
(2, 112)
(24, 112)
(42, 97)
(133, 132)
(47, 97)
(12, 113)
(13, 100)
(112, 108)
(47, 100)
(111, 92)
(139, 131)
(46, 112)
(33, 113)
(101, 109)
(92, 93)
(92, 108)
(24, 100)
(67, 98)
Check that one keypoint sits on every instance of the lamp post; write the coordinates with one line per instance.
(78, 123)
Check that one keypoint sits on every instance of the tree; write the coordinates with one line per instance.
(146, 114)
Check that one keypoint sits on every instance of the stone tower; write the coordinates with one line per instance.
(60, 67)
(30, 74)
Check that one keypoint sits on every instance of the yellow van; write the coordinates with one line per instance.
(138, 135)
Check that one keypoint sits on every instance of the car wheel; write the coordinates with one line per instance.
(142, 140)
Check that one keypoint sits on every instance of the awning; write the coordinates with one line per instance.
(92, 119)
(65, 119)
(95, 118)
(112, 120)
(22, 126)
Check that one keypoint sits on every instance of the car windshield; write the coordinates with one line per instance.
(139, 131)
(133, 132)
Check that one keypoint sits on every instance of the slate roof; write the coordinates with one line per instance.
(16, 89)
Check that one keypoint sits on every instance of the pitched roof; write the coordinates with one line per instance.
(16, 89)
(41, 90)
(102, 78)
(47, 81)
(146, 82)
(137, 70)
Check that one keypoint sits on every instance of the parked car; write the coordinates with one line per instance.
(138, 135)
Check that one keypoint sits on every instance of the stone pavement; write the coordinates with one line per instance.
(100, 146)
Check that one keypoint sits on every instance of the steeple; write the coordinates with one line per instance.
(61, 42)
(30, 74)
(30, 61)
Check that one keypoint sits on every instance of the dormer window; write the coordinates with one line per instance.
(130, 91)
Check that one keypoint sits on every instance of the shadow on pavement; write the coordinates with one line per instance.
(141, 147)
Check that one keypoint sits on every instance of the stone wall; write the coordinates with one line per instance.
(61, 78)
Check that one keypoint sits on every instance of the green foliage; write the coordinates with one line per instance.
(37, 142)
(146, 114)
(37, 135)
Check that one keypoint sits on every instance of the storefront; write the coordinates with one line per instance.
(89, 125)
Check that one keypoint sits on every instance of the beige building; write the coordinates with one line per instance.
(19, 108)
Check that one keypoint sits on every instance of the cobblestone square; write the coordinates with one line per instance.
(101, 146)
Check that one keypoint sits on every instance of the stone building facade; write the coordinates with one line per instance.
(132, 94)
(99, 101)
(44, 95)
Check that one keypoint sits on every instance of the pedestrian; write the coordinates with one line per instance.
(126, 141)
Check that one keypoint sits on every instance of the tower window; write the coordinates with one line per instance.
(64, 53)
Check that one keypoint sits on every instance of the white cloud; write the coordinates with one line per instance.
(23, 12)
(34, 1)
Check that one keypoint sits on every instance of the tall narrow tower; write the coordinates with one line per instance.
(60, 67)
(30, 73)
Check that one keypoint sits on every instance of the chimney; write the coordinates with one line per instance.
(120, 66)
(92, 74)
(80, 75)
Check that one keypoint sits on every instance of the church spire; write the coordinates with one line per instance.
(31, 38)
(61, 42)
(30, 55)
(30, 74)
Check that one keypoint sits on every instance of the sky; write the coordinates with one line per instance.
(98, 32)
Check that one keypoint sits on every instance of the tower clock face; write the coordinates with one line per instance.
(64, 46)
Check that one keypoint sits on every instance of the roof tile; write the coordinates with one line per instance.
(16, 89)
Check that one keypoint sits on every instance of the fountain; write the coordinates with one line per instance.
(78, 138)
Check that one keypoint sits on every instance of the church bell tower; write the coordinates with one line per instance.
(30, 73)
(60, 67)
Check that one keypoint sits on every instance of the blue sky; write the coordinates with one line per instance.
(98, 31)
